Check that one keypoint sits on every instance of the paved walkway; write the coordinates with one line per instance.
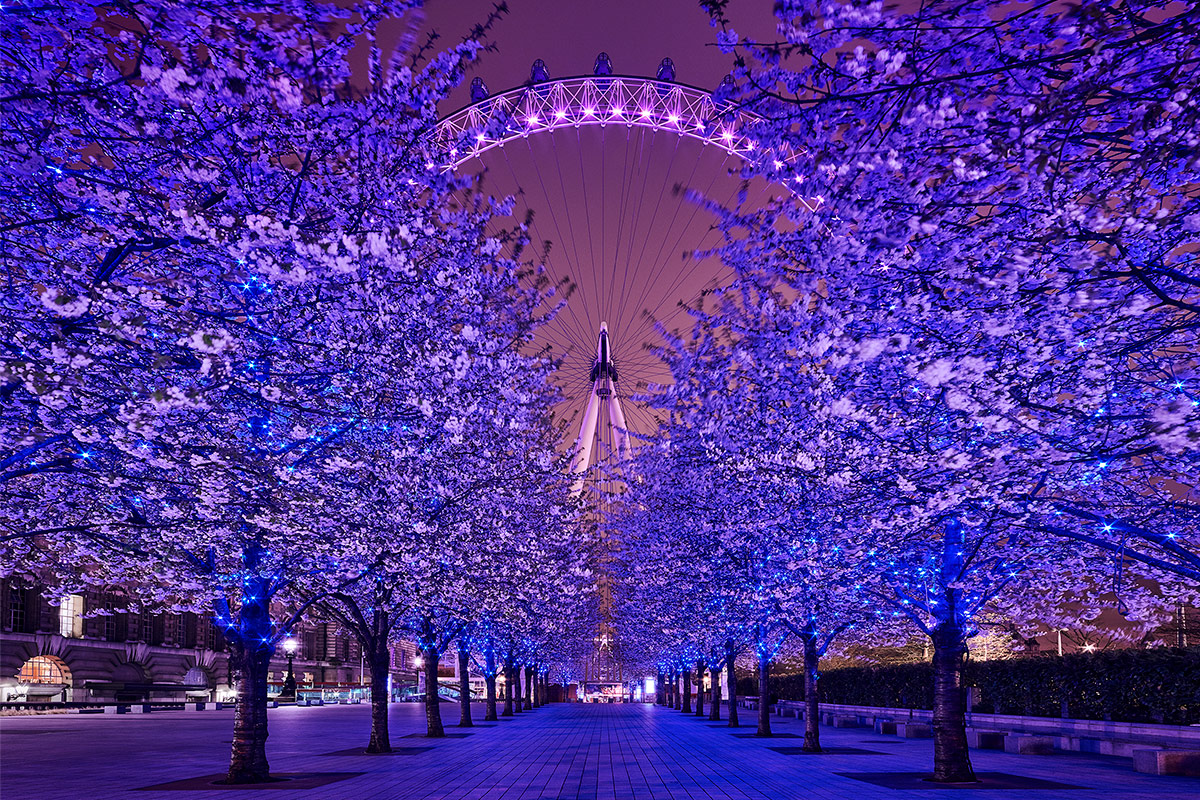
(580, 752)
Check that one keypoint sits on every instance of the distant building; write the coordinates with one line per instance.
(75, 652)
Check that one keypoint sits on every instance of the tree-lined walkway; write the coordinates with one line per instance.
(581, 752)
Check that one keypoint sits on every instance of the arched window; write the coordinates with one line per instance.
(196, 676)
(45, 669)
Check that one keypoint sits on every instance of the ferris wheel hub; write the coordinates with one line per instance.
(604, 393)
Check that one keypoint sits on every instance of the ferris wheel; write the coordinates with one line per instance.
(611, 170)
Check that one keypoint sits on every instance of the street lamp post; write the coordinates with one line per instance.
(289, 683)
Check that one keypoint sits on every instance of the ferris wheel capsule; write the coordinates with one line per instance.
(665, 77)
(666, 70)
(722, 98)
(479, 91)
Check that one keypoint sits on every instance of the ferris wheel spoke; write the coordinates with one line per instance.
(624, 202)
(683, 230)
(640, 268)
(582, 328)
(621, 262)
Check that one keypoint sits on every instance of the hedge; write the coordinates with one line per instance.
(1154, 685)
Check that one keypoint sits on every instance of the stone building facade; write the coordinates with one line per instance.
(73, 649)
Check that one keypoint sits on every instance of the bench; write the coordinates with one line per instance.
(913, 730)
(985, 740)
(1106, 747)
(794, 706)
(885, 727)
(1167, 762)
(839, 720)
(1029, 745)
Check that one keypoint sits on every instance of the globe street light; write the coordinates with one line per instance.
(288, 694)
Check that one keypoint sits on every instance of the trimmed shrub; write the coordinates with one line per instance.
(1155, 685)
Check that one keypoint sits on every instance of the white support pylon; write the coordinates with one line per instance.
(604, 386)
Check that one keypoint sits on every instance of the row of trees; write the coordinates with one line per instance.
(260, 359)
(952, 385)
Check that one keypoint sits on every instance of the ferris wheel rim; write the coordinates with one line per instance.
(670, 106)
(590, 77)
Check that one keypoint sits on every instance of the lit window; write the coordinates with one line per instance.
(70, 616)
(43, 669)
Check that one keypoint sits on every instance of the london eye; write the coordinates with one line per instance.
(612, 170)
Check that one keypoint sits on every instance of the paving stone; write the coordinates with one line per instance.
(286, 781)
(774, 735)
(575, 751)
(395, 751)
(986, 780)
(446, 736)
(827, 751)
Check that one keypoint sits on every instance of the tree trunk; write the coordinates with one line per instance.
(700, 687)
(812, 694)
(248, 756)
(676, 694)
(537, 688)
(433, 708)
(516, 673)
(489, 677)
(528, 688)
(464, 685)
(764, 692)
(508, 688)
(380, 660)
(731, 682)
(951, 759)
(660, 690)
(714, 713)
(687, 690)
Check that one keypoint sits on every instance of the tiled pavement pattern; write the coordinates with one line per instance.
(580, 752)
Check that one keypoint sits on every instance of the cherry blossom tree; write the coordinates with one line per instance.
(196, 393)
(988, 256)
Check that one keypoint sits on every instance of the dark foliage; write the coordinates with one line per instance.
(1158, 685)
